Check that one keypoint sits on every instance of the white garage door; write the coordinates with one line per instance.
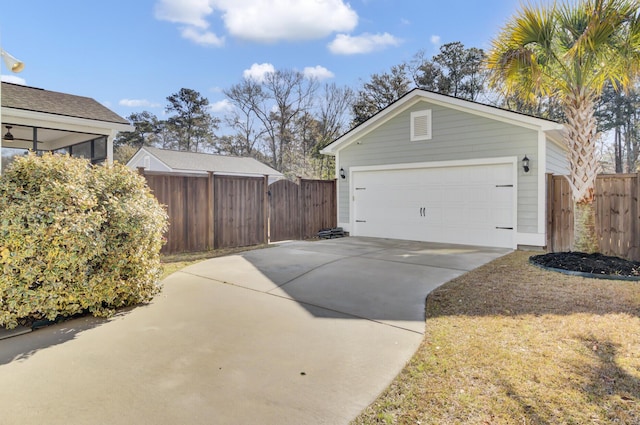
(464, 205)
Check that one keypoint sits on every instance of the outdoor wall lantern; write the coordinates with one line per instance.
(342, 174)
(8, 136)
(525, 163)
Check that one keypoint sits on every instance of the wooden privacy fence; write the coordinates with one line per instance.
(617, 214)
(219, 211)
(299, 211)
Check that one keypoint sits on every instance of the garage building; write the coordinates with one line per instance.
(435, 168)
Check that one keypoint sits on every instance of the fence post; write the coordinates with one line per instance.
(635, 220)
(210, 211)
(265, 210)
(303, 209)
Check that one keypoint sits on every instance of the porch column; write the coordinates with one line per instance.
(110, 138)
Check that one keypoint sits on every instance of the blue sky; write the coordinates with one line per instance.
(130, 55)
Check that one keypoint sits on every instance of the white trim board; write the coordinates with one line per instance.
(433, 164)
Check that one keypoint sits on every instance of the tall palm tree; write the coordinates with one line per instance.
(570, 51)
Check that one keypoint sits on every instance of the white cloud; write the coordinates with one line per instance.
(221, 106)
(258, 71)
(345, 44)
(265, 21)
(205, 38)
(13, 79)
(190, 12)
(435, 40)
(276, 20)
(318, 72)
(138, 103)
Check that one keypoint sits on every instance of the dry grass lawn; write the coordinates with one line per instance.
(510, 343)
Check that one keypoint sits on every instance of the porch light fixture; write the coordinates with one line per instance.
(10, 62)
(15, 66)
(342, 174)
(8, 136)
(525, 164)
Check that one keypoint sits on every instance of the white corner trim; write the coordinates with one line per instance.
(337, 177)
(531, 239)
(542, 182)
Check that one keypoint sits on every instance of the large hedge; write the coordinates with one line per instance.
(75, 238)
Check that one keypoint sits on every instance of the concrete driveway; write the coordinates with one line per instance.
(301, 333)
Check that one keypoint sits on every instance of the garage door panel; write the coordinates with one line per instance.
(502, 217)
(479, 215)
(466, 205)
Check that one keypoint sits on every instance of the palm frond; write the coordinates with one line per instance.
(568, 48)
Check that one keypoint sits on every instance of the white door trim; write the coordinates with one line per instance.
(433, 164)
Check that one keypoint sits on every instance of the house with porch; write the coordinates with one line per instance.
(43, 120)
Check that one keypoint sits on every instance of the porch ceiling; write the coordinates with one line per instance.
(47, 138)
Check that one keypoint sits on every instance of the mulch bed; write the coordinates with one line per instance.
(596, 264)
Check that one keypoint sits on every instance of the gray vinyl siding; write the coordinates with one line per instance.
(557, 162)
(456, 135)
(154, 163)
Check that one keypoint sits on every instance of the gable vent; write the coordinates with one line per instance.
(421, 125)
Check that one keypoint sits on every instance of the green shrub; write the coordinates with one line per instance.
(75, 238)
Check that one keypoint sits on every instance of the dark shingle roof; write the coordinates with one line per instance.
(192, 161)
(38, 100)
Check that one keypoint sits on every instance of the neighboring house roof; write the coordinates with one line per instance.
(192, 161)
(551, 128)
(26, 98)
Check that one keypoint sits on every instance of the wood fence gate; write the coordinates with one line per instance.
(299, 210)
(240, 211)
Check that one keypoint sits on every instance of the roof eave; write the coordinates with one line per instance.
(556, 135)
(178, 169)
(61, 122)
